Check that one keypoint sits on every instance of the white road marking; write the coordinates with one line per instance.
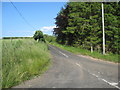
(60, 52)
(53, 87)
(63, 54)
(99, 78)
(30, 85)
(110, 83)
(95, 75)
(114, 83)
(78, 64)
(99, 72)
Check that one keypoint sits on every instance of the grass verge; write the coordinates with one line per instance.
(107, 57)
(23, 59)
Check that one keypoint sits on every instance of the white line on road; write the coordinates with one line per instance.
(59, 52)
(63, 54)
(112, 84)
(78, 64)
(94, 75)
(53, 87)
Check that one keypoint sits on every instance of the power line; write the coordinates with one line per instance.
(21, 15)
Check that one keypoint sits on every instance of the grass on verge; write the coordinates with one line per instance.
(108, 57)
(22, 59)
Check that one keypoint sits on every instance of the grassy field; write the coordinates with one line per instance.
(23, 59)
(0, 63)
(108, 57)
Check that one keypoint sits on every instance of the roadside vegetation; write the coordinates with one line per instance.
(95, 54)
(23, 59)
(49, 39)
(78, 50)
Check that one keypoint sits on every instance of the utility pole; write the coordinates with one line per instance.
(103, 28)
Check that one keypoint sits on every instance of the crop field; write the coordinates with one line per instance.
(23, 59)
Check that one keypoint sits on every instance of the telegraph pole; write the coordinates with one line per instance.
(103, 28)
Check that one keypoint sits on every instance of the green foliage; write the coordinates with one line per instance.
(77, 50)
(79, 24)
(39, 36)
(22, 59)
(49, 38)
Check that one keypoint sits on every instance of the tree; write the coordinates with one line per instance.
(79, 24)
(61, 23)
(39, 36)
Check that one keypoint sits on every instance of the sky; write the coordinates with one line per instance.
(39, 14)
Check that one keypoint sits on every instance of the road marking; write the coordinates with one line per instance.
(112, 84)
(99, 72)
(63, 54)
(95, 75)
(53, 87)
(30, 85)
(78, 64)
(99, 78)
(60, 52)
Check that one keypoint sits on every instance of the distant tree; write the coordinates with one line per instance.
(39, 36)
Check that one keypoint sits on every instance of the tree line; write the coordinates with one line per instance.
(79, 24)
(17, 37)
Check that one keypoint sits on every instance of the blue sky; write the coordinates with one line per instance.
(39, 14)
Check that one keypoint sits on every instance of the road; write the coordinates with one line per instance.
(74, 71)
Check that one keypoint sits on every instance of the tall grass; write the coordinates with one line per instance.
(22, 59)
(0, 63)
(107, 57)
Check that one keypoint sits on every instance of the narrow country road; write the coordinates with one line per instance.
(74, 71)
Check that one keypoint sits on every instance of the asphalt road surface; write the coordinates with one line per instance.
(74, 71)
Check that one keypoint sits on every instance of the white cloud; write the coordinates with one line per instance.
(47, 29)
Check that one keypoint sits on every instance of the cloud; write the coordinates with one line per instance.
(47, 29)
